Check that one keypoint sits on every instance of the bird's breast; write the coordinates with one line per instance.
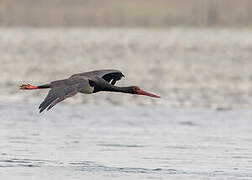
(87, 90)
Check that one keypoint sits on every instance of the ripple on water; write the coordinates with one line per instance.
(123, 145)
(187, 145)
(92, 166)
(22, 162)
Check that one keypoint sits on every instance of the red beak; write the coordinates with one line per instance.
(141, 92)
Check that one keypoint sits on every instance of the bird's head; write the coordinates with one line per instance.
(137, 90)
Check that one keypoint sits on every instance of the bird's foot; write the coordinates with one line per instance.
(28, 87)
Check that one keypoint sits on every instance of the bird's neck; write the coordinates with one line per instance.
(127, 89)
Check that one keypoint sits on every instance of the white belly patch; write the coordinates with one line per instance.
(87, 90)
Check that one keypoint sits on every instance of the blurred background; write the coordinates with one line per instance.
(194, 53)
(126, 13)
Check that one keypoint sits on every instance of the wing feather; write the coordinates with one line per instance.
(59, 99)
(110, 75)
(61, 90)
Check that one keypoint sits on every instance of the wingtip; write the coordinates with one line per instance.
(40, 109)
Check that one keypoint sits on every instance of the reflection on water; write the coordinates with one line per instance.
(124, 143)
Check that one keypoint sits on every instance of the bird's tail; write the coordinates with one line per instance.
(31, 87)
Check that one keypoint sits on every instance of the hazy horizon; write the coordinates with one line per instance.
(127, 13)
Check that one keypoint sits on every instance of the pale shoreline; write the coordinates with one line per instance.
(189, 68)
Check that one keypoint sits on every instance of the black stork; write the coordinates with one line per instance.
(87, 83)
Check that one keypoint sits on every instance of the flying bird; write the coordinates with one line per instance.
(87, 83)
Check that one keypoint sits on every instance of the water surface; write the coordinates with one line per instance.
(110, 142)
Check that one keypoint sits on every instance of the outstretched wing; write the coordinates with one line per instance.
(55, 96)
(61, 90)
(110, 75)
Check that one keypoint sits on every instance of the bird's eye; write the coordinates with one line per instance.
(135, 88)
